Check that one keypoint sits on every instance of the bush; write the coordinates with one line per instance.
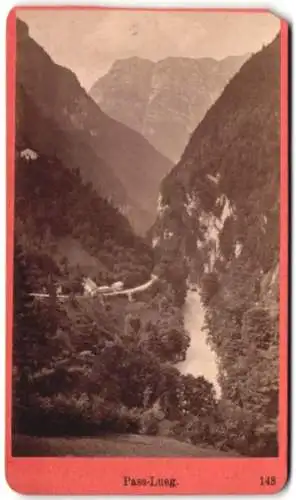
(74, 415)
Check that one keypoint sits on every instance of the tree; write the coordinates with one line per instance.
(257, 327)
(26, 327)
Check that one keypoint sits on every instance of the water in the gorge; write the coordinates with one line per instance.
(200, 359)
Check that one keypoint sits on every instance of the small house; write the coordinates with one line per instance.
(116, 287)
(89, 287)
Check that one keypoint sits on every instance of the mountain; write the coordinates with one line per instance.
(117, 160)
(219, 217)
(166, 100)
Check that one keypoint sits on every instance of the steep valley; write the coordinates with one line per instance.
(218, 217)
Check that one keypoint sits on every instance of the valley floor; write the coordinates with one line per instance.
(111, 445)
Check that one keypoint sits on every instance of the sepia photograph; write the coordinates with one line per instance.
(146, 258)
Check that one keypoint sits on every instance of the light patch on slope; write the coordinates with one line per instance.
(274, 275)
(155, 241)
(212, 227)
(238, 249)
(123, 209)
(214, 179)
(191, 204)
(167, 235)
(161, 208)
(224, 202)
(263, 222)
(211, 234)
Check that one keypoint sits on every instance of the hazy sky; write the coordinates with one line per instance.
(89, 41)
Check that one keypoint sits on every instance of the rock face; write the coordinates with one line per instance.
(219, 212)
(117, 160)
(164, 101)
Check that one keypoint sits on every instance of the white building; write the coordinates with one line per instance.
(117, 286)
(89, 287)
(29, 154)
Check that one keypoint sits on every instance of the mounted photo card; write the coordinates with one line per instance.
(147, 251)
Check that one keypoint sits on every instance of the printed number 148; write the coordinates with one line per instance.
(267, 480)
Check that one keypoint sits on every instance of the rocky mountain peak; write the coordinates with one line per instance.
(163, 100)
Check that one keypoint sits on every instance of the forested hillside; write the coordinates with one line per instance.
(57, 212)
(220, 208)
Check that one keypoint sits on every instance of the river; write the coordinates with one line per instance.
(200, 359)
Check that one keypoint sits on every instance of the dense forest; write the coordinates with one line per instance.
(220, 208)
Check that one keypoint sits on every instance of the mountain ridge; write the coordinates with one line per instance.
(106, 151)
(163, 100)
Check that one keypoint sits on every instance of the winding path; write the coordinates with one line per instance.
(136, 289)
(128, 291)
